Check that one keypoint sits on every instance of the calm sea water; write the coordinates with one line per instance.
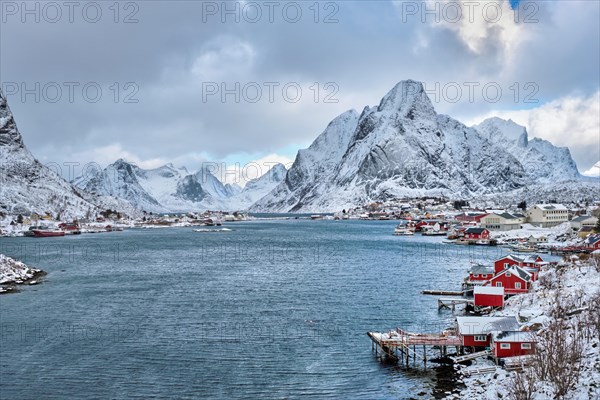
(272, 309)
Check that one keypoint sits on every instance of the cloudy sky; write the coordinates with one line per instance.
(190, 81)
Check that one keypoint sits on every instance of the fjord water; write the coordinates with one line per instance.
(272, 309)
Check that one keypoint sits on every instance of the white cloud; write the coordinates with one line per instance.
(594, 171)
(479, 25)
(223, 57)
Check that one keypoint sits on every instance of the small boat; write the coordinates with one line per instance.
(432, 232)
(400, 231)
(47, 233)
(213, 230)
(523, 249)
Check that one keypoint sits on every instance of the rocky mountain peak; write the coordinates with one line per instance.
(9, 134)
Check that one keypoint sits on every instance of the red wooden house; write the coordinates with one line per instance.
(477, 331)
(480, 274)
(488, 296)
(505, 263)
(531, 264)
(477, 234)
(512, 344)
(514, 280)
(592, 242)
(470, 216)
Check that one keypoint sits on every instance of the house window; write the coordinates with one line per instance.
(505, 346)
(484, 275)
(517, 285)
(505, 265)
(476, 276)
(480, 338)
(508, 274)
(526, 346)
(498, 284)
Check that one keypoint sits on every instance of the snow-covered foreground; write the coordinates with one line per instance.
(574, 284)
(13, 271)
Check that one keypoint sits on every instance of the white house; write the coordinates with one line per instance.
(545, 215)
(500, 222)
(583, 220)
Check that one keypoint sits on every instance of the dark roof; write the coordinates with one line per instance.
(507, 216)
(481, 269)
(593, 238)
(582, 218)
(475, 230)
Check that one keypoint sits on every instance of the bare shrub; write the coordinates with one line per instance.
(521, 385)
(560, 348)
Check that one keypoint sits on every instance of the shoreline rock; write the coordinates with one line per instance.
(14, 273)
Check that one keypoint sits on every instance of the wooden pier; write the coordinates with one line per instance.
(451, 303)
(443, 292)
(401, 345)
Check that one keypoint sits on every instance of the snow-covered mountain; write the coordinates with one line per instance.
(170, 189)
(542, 161)
(26, 185)
(403, 148)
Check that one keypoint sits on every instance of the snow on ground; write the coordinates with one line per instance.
(579, 281)
(13, 271)
(557, 235)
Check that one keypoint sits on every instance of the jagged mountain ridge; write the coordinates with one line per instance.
(542, 161)
(27, 186)
(403, 148)
(170, 189)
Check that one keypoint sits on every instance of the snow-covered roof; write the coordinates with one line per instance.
(481, 269)
(488, 290)
(515, 270)
(583, 218)
(549, 207)
(485, 325)
(513, 336)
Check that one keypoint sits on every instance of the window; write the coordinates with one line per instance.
(526, 346)
(505, 346)
(498, 284)
(480, 338)
(508, 274)
(484, 275)
(475, 275)
(517, 285)
(506, 265)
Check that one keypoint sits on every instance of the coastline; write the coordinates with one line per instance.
(15, 273)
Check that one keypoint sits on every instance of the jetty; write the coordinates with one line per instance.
(451, 303)
(443, 292)
(401, 345)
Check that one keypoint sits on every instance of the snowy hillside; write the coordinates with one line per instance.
(403, 148)
(28, 186)
(170, 189)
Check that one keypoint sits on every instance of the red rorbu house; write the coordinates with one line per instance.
(512, 344)
(531, 264)
(593, 242)
(470, 217)
(488, 296)
(477, 234)
(477, 331)
(514, 280)
(480, 274)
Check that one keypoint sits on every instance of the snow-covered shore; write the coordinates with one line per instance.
(575, 284)
(15, 272)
